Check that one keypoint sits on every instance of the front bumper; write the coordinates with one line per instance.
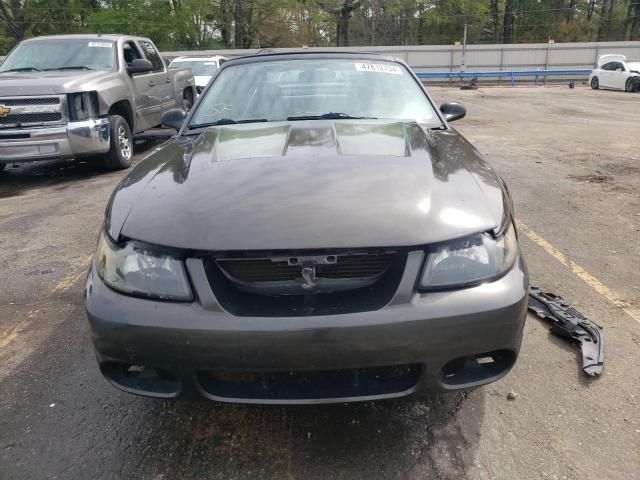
(432, 331)
(73, 139)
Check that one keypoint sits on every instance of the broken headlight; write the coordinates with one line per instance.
(132, 269)
(471, 260)
(82, 106)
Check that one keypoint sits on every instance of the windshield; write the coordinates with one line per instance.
(333, 88)
(55, 54)
(205, 68)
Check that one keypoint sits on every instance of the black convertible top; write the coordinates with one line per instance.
(297, 55)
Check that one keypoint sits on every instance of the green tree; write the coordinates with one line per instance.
(26, 18)
(202, 24)
(633, 21)
(343, 11)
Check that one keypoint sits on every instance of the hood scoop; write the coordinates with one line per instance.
(246, 141)
(388, 139)
(309, 138)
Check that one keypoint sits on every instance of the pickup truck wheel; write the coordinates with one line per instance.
(120, 152)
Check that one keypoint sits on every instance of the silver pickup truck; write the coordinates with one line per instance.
(84, 96)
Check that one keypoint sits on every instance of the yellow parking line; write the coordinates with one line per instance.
(550, 249)
(66, 283)
(586, 277)
(70, 279)
(7, 337)
(62, 286)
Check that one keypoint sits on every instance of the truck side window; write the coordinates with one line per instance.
(152, 55)
(131, 52)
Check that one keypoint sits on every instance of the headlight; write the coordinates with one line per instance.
(132, 269)
(472, 260)
(82, 106)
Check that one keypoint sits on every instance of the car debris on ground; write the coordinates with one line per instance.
(567, 322)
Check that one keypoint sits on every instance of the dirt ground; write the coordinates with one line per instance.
(572, 161)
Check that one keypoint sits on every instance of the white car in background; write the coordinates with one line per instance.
(616, 73)
(203, 68)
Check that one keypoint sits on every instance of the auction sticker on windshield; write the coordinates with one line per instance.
(101, 44)
(378, 68)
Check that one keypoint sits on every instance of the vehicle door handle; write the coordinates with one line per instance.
(168, 80)
(152, 83)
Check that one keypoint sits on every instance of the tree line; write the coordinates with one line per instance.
(202, 24)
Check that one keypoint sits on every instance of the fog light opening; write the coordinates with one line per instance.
(142, 379)
(477, 369)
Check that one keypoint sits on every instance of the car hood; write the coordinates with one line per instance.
(52, 82)
(308, 185)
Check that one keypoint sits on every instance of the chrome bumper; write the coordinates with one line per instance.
(88, 137)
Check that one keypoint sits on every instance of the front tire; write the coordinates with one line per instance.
(632, 86)
(595, 83)
(120, 152)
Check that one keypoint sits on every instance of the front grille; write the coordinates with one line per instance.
(14, 136)
(340, 282)
(346, 266)
(15, 102)
(394, 380)
(30, 118)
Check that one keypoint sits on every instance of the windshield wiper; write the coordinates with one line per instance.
(71, 67)
(227, 121)
(22, 69)
(329, 116)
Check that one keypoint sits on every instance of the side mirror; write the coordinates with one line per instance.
(173, 118)
(453, 111)
(139, 65)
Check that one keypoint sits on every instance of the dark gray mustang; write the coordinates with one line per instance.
(316, 232)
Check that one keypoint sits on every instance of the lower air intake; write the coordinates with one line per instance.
(305, 385)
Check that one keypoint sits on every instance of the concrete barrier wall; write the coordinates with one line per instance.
(439, 58)
(425, 58)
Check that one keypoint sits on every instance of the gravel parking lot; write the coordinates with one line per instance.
(572, 161)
